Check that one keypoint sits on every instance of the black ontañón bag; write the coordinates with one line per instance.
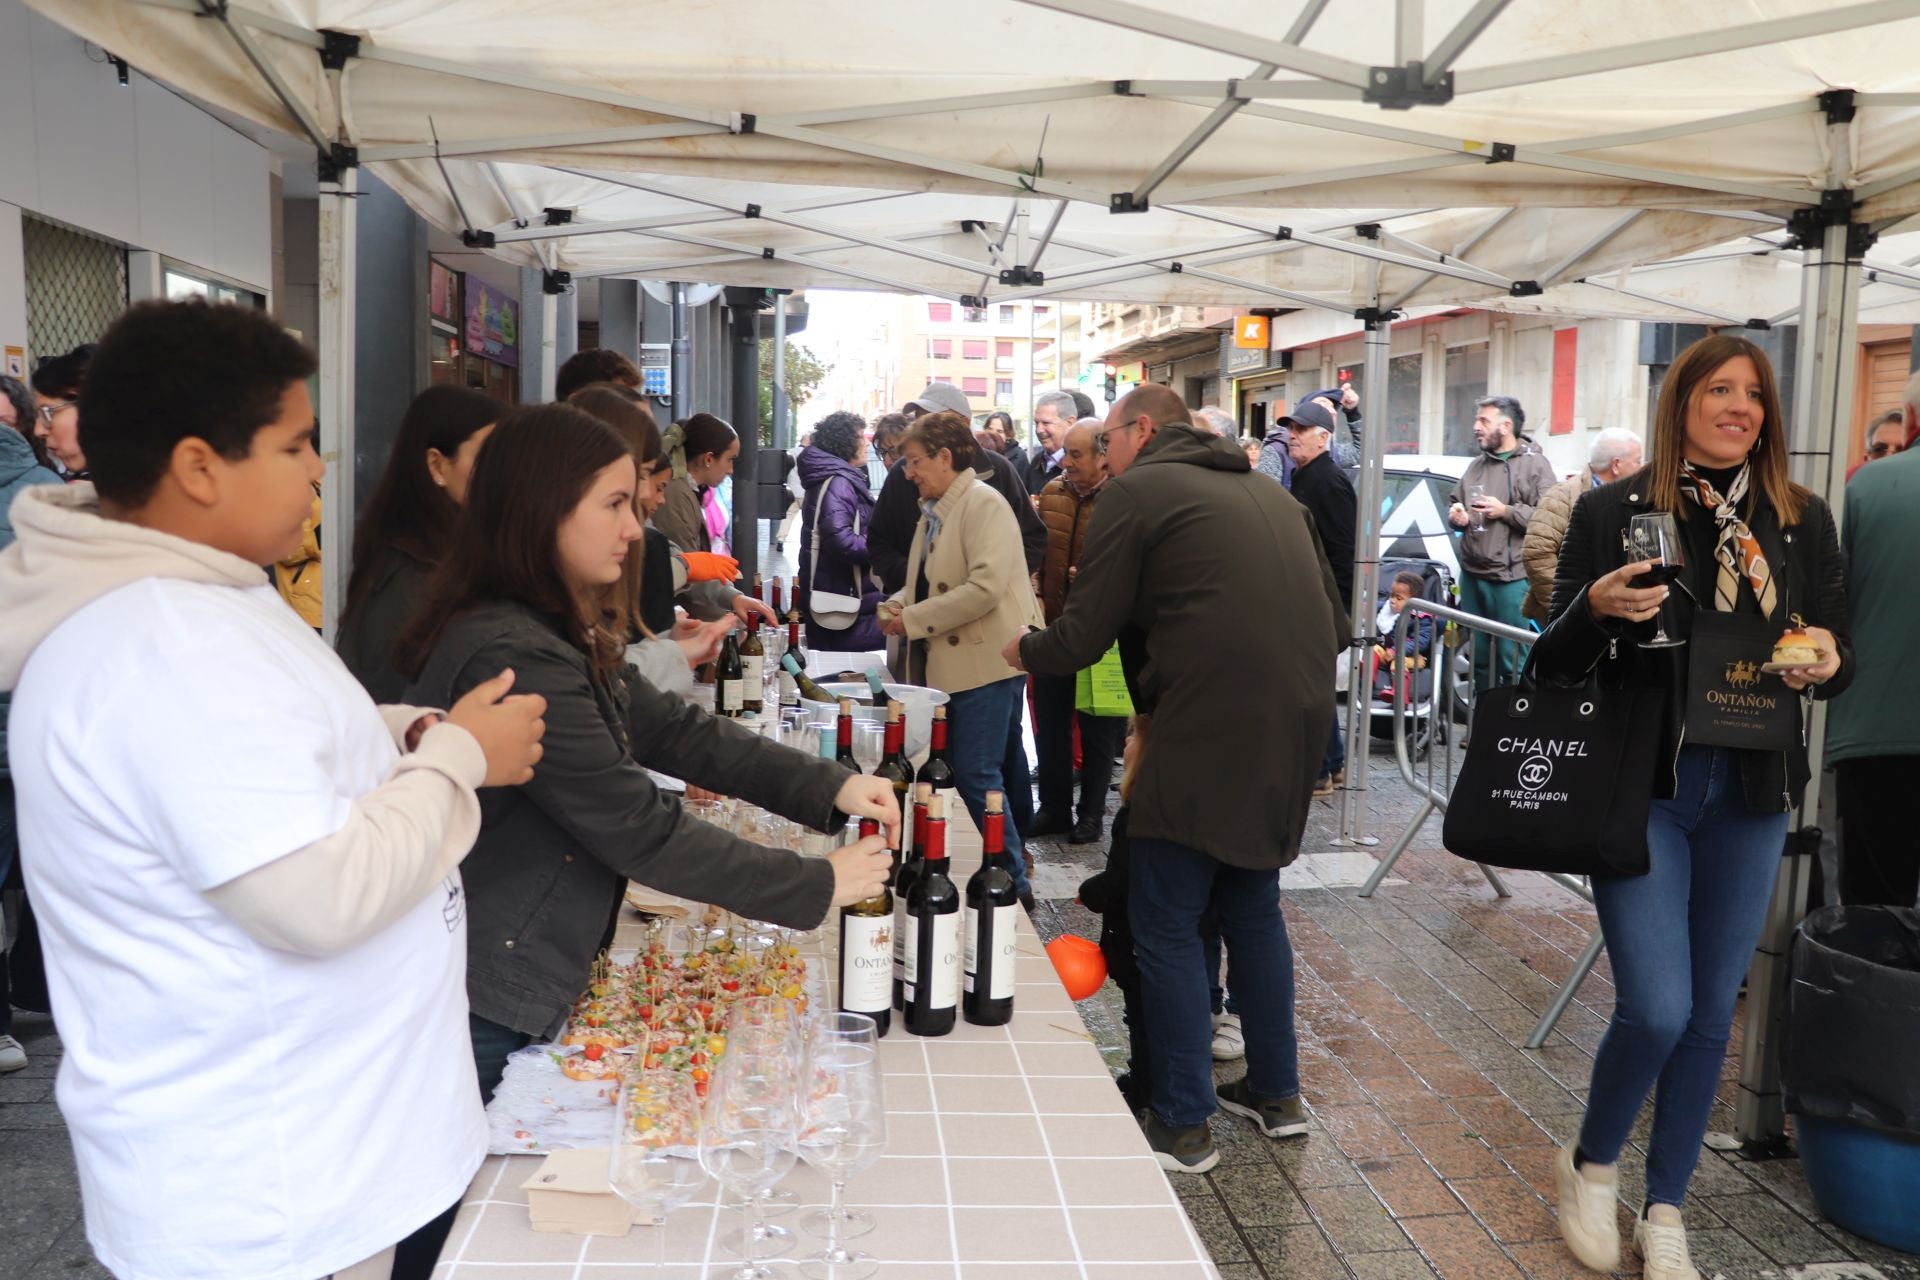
(1557, 778)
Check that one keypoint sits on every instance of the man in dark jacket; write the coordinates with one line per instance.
(896, 514)
(1228, 652)
(1053, 413)
(1325, 491)
(1492, 505)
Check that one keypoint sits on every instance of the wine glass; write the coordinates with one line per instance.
(655, 1163)
(843, 1130)
(769, 1027)
(1475, 492)
(869, 744)
(747, 1142)
(1654, 535)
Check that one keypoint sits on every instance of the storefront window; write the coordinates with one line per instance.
(1466, 385)
(179, 284)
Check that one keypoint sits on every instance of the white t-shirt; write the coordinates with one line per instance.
(236, 1111)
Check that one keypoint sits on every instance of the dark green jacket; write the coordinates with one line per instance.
(547, 874)
(1214, 582)
(1880, 714)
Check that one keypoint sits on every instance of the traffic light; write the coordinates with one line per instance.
(1113, 387)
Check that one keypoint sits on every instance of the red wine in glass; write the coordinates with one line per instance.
(1655, 536)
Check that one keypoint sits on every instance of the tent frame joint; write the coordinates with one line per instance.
(339, 48)
(1124, 89)
(1283, 233)
(1377, 317)
(1407, 87)
(1758, 322)
(477, 239)
(1525, 289)
(336, 158)
(1806, 227)
(1838, 106)
(556, 282)
(749, 122)
(1502, 153)
(1367, 230)
(752, 211)
(1020, 276)
(1126, 202)
(557, 217)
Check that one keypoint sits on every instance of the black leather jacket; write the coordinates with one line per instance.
(547, 874)
(1807, 568)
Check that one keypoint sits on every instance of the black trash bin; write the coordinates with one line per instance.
(1848, 1067)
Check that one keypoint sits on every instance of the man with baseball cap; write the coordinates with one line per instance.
(1327, 494)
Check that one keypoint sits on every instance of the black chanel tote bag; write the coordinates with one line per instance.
(1557, 778)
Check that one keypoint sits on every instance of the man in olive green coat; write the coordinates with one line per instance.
(1216, 586)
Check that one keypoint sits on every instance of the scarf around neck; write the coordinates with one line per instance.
(1736, 551)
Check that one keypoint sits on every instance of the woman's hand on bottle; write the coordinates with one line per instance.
(508, 729)
(700, 641)
(865, 796)
(860, 870)
(747, 608)
(1613, 597)
(1820, 672)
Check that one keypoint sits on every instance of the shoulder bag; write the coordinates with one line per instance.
(829, 609)
(1557, 778)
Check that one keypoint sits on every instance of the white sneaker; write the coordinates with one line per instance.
(12, 1056)
(1588, 1221)
(1229, 1042)
(1660, 1239)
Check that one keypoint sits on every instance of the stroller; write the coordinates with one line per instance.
(1410, 678)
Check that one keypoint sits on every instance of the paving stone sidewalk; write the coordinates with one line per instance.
(1433, 1129)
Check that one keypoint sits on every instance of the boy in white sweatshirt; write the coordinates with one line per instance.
(245, 872)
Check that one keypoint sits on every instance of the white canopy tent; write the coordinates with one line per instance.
(1364, 156)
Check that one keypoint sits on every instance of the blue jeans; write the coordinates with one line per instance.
(977, 726)
(1680, 939)
(1335, 759)
(493, 1044)
(1494, 661)
(1170, 885)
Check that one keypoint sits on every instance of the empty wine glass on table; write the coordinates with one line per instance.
(843, 1130)
(747, 1142)
(1655, 536)
(869, 744)
(655, 1161)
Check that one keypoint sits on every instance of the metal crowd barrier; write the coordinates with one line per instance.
(1429, 730)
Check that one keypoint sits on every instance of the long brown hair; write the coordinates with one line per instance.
(1691, 371)
(537, 466)
(622, 409)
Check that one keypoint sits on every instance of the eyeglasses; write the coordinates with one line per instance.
(1884, 448)
(47, 409)
(1100, 437)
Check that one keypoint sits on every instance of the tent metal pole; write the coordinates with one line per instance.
(339, 217)
(1359, 249)
(296, 107)
(1315, 90)
(680, 354)
(1573, 259)
(1724, 38)
(1283, 182)
(1409, 32)
(1046, 237)
(1007, 178)
(942, 106)
(1817, 441)
(1275, 291)
(506, 147)
(1464, 247)
(1366, 572)
(781, 438)
(1205, 35)
(1474, 22)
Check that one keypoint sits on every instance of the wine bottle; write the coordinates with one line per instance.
(936, 770)
(753, 670)
(894, 765)
(991, 908)
(773, 599)
(793, 637)
(729, 684)
(757, 593)
(878, 688)
(789, 690)
(866, 943)
(844, 753)
(903, 883)
(933, 937)
(803, 682)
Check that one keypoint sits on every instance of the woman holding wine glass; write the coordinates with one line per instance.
(1679, 581)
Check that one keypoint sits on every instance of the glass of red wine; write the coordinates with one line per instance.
(1655, 536)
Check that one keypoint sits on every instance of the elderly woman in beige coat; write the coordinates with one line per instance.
(967, 595)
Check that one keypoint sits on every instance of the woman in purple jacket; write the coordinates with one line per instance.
(834, 514)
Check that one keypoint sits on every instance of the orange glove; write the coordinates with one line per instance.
(707, 566)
